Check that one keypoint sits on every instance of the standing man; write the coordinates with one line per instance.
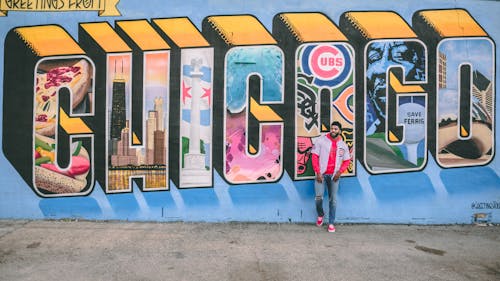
(330, 158)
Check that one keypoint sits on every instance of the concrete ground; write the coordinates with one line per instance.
(85, 250)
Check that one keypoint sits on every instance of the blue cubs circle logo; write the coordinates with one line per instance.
(329, 64)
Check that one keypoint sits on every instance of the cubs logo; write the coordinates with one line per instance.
(329, 64)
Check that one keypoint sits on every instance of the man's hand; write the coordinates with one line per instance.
(319, 178)
(337, 176)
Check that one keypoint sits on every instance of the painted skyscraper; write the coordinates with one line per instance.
(159, 155)
(125, 154)
(150, 130)
(118, 110)
(159, 109)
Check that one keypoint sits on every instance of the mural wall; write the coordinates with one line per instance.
(153, 112)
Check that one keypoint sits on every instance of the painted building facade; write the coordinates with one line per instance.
(114, 110)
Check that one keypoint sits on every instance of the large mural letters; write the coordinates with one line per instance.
(320, 71)
(48, 111)
(253, 131)
(63, 142)
(393, 126)
(196, 128)
(253, 90)
(145, 102)
(140, 151)
(135, 137)
(463, 64)
(191, 101)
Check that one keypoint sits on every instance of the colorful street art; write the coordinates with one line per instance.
(247, 162)
(325, 72)
(397, 152)
(220, 112)
(197, 67)
(457, 145)
(74, 78)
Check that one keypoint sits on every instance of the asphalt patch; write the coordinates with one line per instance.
(34, 245)
(430, 250)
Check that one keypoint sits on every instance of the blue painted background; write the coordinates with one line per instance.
(433, 196)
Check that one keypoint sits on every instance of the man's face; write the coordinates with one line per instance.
(334, 131)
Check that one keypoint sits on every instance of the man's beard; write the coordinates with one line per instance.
(334, 135)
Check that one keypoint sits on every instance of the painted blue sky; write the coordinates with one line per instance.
(477, 52)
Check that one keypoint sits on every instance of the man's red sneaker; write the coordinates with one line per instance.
(331, 228)
(319, 221)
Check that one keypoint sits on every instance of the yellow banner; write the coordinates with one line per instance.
(104, 7)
